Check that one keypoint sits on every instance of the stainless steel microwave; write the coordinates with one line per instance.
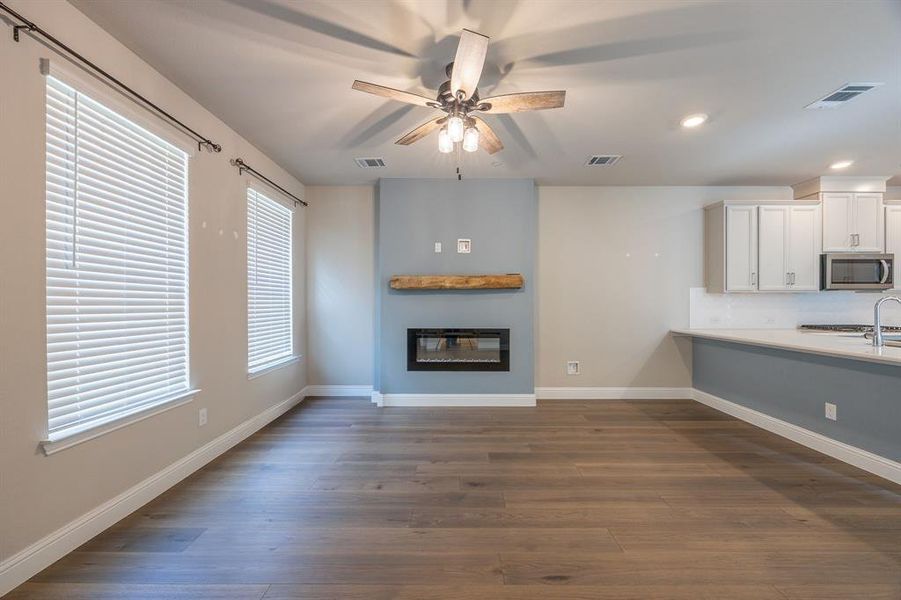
(857, 271)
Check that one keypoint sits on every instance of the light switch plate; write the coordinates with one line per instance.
(464, 246)
(437, 247)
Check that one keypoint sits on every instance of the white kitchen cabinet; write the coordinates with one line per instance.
(805, 245)
(763, 245)
(893, 237)
(837, 217)
(869, 224)
(853, 222)
(789, 248)
(731, 247)
(741, 248)
(773, 261)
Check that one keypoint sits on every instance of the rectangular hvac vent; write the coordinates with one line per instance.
(603, 160)
(844, 94)
(370, 163)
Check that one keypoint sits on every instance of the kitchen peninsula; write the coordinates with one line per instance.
(831, 392)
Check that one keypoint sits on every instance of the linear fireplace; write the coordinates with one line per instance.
(458, 349)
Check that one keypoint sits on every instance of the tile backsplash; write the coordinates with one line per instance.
(784, 311)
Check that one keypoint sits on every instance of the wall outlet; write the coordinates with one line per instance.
(437, 247)
(572, 367)
(464, 246)
(201, 417)
(831, 412)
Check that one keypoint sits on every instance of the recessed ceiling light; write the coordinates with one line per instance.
(842, 164)
(692, 121)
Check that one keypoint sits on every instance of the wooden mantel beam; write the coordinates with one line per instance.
(509, 281)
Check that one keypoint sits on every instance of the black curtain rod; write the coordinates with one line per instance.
(243, 166)
(29, 26)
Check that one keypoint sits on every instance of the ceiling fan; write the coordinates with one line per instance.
(459, 99)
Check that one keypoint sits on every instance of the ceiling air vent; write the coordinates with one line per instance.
(603, 160)
(370, 163)
(844, 94)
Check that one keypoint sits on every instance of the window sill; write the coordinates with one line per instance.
(67, 439)
(272, 367)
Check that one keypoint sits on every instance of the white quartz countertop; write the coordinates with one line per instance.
(826, 344)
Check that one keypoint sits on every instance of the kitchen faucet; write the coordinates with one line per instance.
(878, 340)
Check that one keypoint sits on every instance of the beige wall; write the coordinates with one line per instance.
(340, 296)
(39, 494)
(614, 268)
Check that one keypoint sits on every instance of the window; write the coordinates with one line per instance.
(117, 272)
(270, 339)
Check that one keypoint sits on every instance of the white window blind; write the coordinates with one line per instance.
(270, 339)
(117, 287)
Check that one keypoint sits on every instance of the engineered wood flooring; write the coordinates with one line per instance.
(572, 500)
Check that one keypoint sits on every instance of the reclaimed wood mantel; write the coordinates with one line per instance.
(508, 281)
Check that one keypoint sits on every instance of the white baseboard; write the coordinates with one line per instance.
(613, 393)
(452, 400)
(338, 390)
(25, 564)
(862, 459)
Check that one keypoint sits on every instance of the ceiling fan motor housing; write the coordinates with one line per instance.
(448, 100)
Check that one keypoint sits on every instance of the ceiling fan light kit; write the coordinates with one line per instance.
(471, 139)
(455, 128)
(458, 98)
(445, 144)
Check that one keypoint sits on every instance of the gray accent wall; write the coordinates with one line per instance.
(794, 386)
(500, 217)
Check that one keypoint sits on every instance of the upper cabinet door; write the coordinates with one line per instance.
(773, 248)
(837, 222)
(893, 238)
(868, 226)
(741, 248)
(804, 247)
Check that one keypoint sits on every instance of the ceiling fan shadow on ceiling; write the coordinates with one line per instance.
(458, 98)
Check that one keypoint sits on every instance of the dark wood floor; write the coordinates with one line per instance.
(571, 500)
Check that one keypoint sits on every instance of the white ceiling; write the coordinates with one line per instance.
(280, 72)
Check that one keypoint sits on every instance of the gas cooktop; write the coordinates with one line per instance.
(847, 328)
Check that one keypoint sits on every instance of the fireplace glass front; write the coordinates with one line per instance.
(458, 349)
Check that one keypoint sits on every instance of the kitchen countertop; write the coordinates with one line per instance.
(826, 344)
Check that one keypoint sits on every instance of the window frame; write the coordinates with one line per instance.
(87, 430)
(271, 194)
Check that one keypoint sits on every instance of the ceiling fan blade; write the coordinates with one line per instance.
(329, 25)
(488, 140)
(421, 131)
(677, 26)
(393, 94)
(468, 63)
(523, 101)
